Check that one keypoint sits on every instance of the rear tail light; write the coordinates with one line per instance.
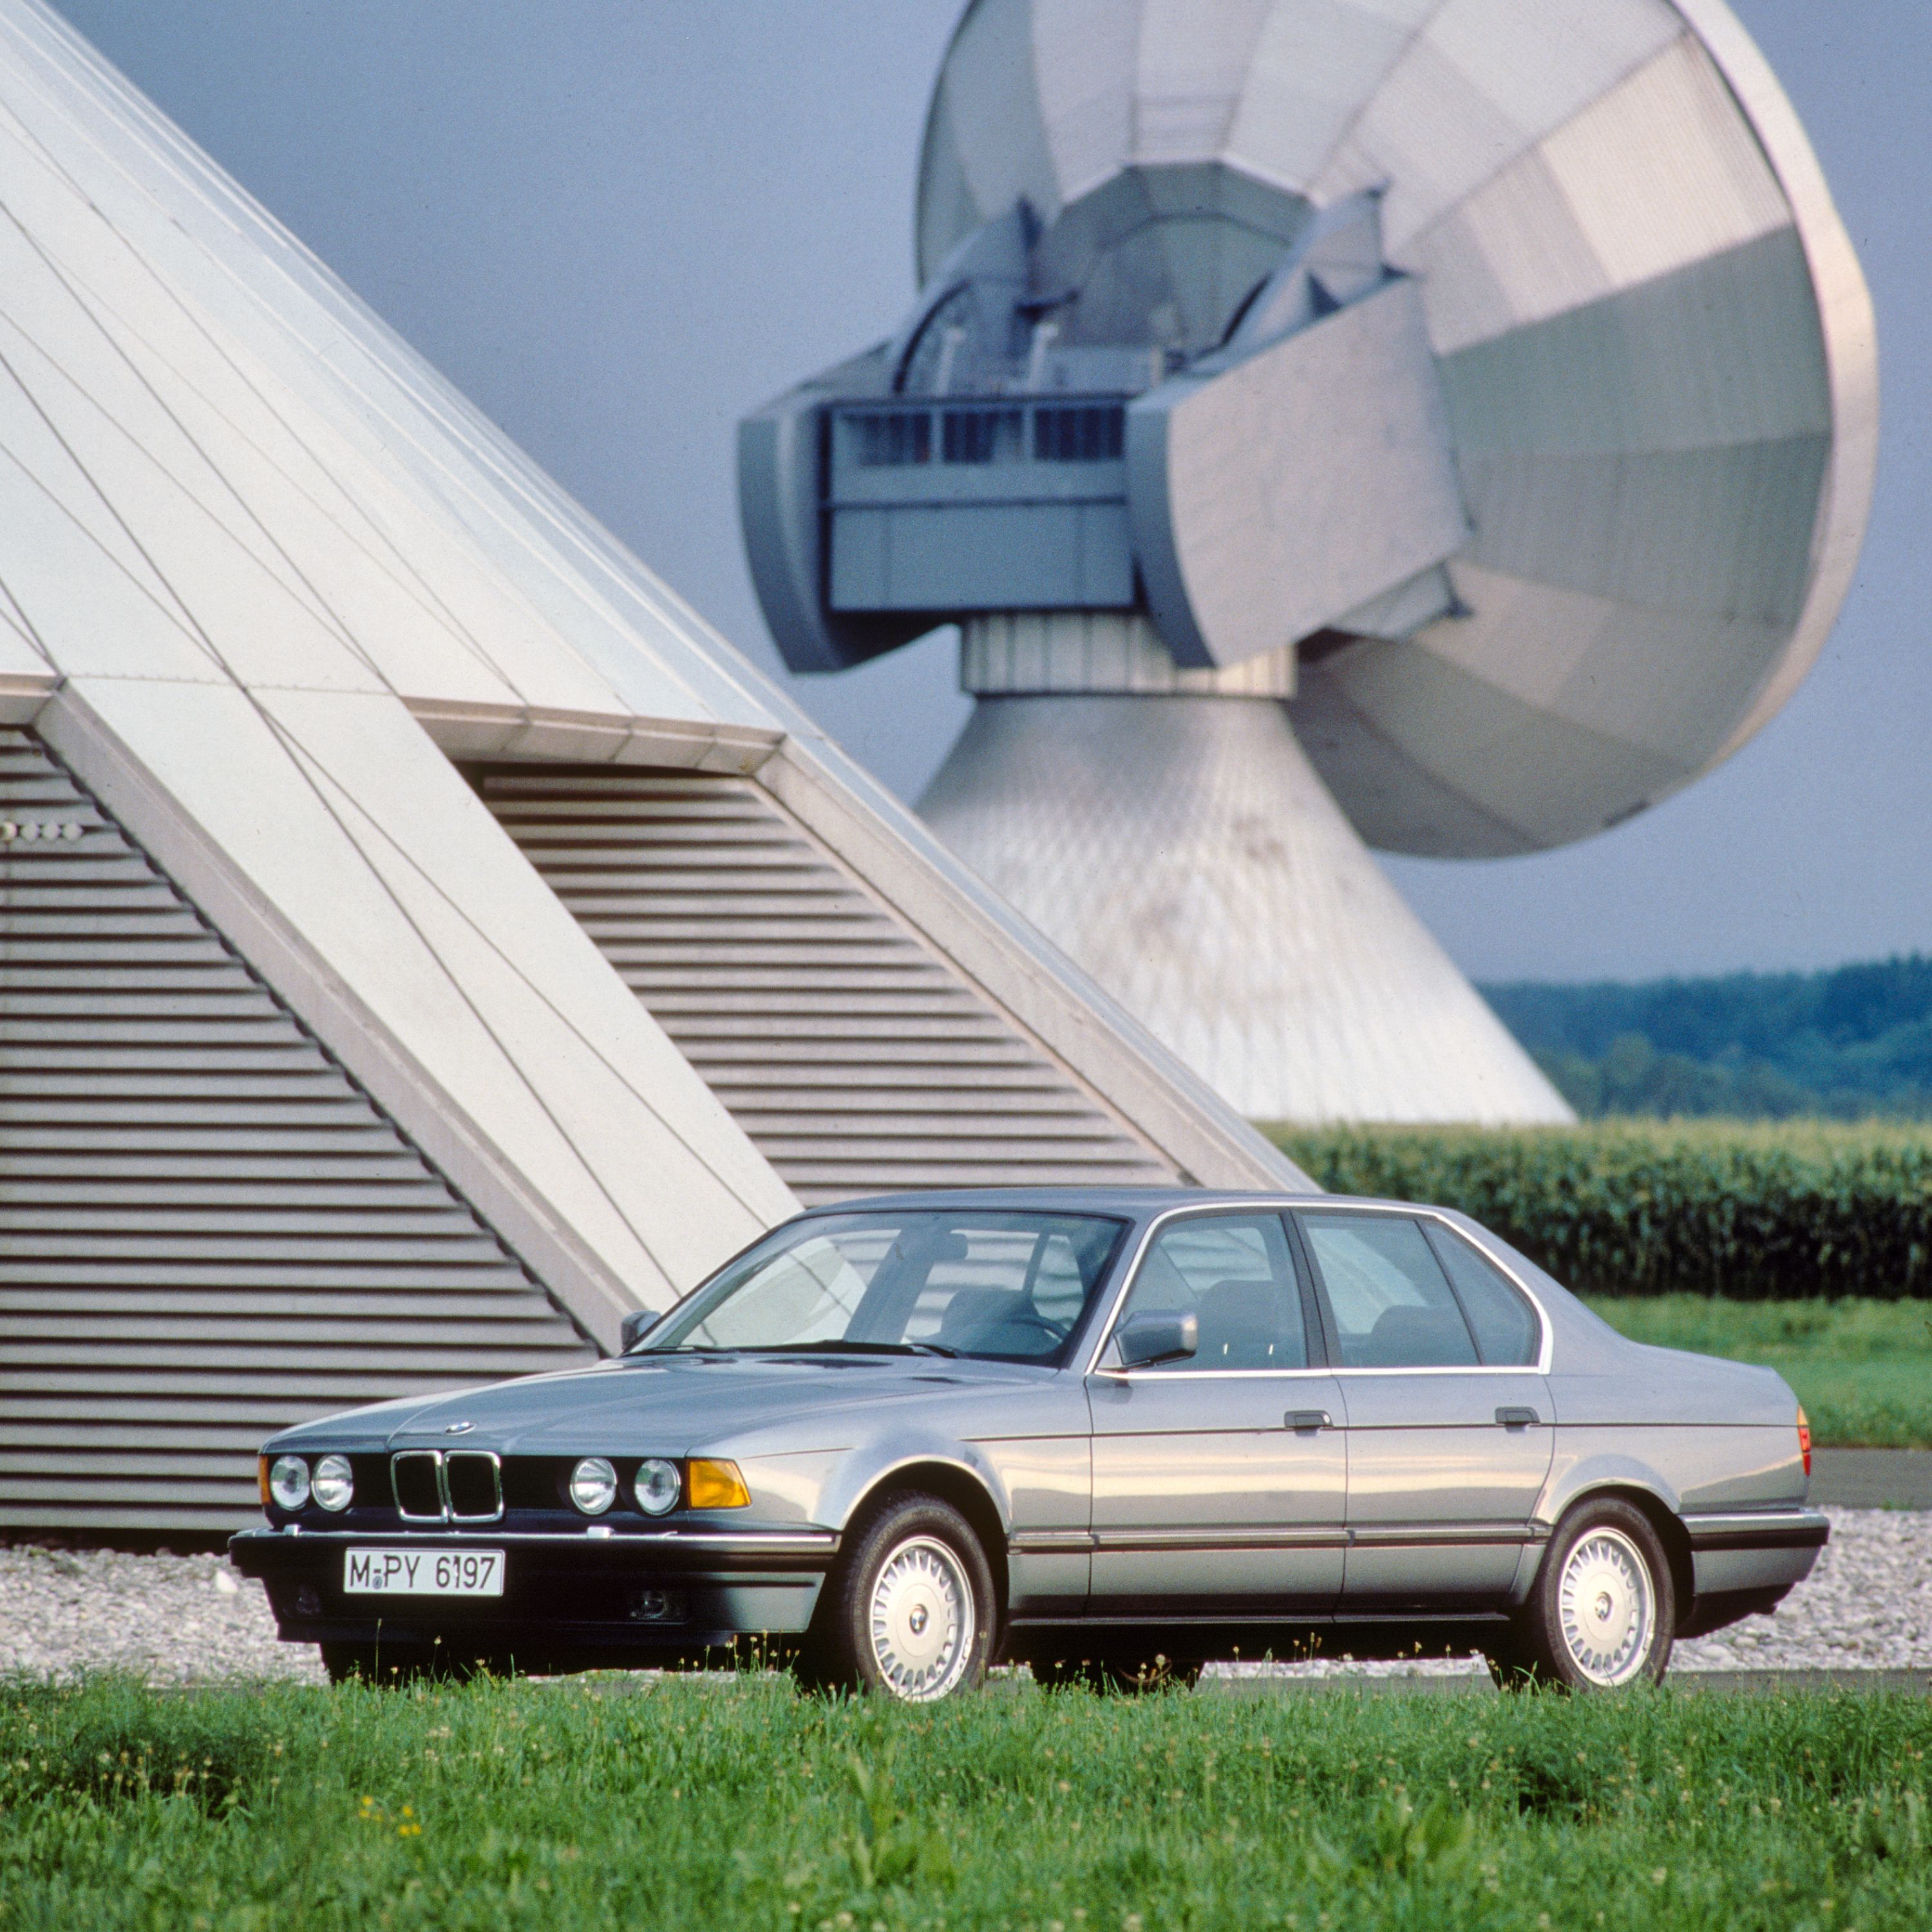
(1804, 1440)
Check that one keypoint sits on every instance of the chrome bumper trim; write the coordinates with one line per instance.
(1758, 1529)
(724, 1543)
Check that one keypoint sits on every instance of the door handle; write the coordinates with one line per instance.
(1517, 1418)
(1306, 1421)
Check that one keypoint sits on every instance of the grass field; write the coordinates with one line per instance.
(1863, 1369)
(708, 1804)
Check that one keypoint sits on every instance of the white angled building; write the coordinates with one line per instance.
(421, 939)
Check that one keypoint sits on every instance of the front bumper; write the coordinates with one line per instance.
(570, 1594)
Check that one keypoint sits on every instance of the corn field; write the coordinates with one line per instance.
(1783, 1211)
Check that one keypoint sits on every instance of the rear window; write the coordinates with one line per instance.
(1393, 1304)
(1505, 1323)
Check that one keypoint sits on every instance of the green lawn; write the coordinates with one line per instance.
(1863, 1369)
(722, 1805)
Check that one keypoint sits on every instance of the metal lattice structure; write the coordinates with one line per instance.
(1468, 407)
(208, 1230)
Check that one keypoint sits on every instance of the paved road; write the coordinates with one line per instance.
(1872, 1478)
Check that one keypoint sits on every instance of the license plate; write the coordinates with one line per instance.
(423, 1573)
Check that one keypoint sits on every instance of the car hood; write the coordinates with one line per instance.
(662, 1405)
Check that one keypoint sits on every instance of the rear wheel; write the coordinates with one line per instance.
(1604, 1609)
(909, 1611)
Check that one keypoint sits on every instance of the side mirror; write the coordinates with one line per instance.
(1157, 1336)
(634, 1328)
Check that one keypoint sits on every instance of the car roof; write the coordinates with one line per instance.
(1138, 1203)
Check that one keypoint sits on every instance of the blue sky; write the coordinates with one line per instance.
(616, 224)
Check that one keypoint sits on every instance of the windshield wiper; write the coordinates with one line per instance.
(859, 1348)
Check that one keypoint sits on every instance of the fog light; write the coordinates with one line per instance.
(593, 1485)
(334, 1485)
(658, 1486)
(288, 1482)
(717, 1485)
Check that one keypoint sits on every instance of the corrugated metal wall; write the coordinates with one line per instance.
(857, 1058)
(207, 1230)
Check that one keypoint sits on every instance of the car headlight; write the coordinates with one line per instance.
(658, 1486)
(593, 1485)
(334, 1483)
(288, 1482)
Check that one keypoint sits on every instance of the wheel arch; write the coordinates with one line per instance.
(953, 1483)
(1661, 1517)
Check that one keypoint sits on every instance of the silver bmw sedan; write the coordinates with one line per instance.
(1112, 1433)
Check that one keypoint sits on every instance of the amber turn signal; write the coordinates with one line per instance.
(262, 1478)
(1804, 1438)
(717, 1486)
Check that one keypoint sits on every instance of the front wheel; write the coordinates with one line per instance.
(1603, 1612)
(909, 1611)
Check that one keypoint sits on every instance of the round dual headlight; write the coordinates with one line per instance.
(593, 1485)
(334, 1483)
(658, 1486)
(288, 1482)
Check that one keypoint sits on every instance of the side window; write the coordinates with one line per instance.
(1392, 1302)
(1232, 1272)
(1505, 1324)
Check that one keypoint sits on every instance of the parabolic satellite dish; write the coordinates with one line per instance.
(1447, 424)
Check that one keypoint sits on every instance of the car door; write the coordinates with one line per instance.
(1449, 1435)
(1219, 1479)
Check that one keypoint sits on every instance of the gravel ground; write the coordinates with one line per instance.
(191, 1620)
(1867, 1605)
(173, 1619)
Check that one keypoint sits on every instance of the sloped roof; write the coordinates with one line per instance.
(262, 573)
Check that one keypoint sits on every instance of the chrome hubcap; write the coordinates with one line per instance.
(1607, 1603)
(923, 1622)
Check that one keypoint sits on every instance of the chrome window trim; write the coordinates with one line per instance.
(1316, 1204)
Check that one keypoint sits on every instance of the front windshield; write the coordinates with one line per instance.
(953, 1281)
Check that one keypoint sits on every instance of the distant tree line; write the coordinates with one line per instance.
(1850, 1043)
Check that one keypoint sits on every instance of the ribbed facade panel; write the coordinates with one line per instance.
(855, 1058)
(207, 1230)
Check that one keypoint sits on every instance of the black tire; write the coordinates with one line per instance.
(1126, 1674)
(1602, 1614)
(908, 1609)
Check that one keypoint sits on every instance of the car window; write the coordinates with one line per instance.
(1233, 1273)
(1505, 1323)
(1009, 1284)
(1392, 1302)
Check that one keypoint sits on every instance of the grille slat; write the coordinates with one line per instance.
(849, 1050)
